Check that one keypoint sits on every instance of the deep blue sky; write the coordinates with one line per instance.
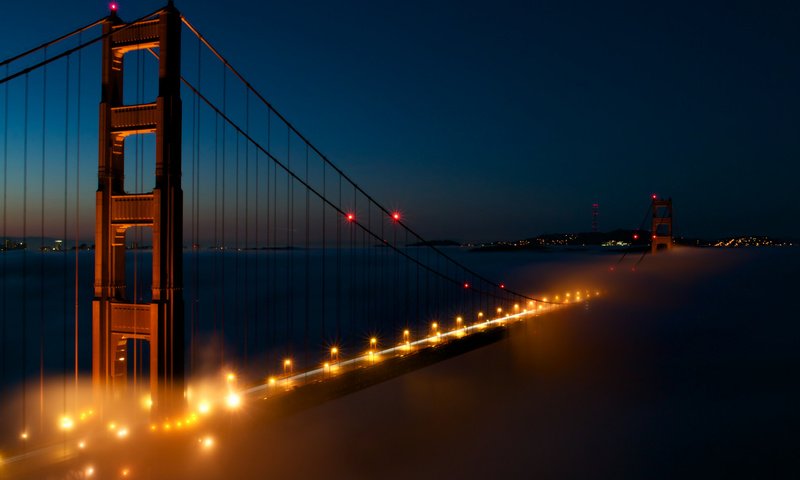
(503, 119)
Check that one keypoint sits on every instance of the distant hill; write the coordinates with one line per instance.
(627, 239)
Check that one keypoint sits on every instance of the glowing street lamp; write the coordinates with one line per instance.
(334, 354)
(373, 347)
(406, 336)
(233, 401)
(287, 369)
(66, 423)
(206, 442)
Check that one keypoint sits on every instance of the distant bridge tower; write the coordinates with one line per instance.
(662, 224)
(595, 217)
(115, 319)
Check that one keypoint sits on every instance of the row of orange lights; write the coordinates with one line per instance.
(373, 342)
(233, 399)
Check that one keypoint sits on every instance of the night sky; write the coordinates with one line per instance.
(501, 120)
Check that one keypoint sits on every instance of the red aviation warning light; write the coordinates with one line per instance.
(654, 196)
(636, 236)
(113, 6)
(502, 285)
(350, 217)
(396, 216)
(466, 285)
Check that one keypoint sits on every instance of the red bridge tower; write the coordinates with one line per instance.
(662, 224)
(115, 319)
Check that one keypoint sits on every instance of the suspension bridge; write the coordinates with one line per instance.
(184, 249)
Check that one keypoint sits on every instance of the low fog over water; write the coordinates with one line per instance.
(683, 367)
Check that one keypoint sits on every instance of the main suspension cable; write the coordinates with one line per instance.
(355, 221)
(52, 42)
(293, 129)
(80, 47)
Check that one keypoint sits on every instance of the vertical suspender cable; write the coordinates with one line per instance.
(352, 229)
(192, 221)
(339, 268)
(196, 213)
(246, 225)
(418, 310)
(41, 252)
(396, 286)
(24, 363)
(407, 283)
(216, 238)
(221, 278)
(237, 294)
(258, 259)
(269, 327)
(324, 259)
(370, 301)
(290, 247)
(256, 314)
(274, 269)
(77, 211)
(197, 208)
(4, 246)
(64, 236)
(308, 266)
(389, 304)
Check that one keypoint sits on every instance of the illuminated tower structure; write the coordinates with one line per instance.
(116, 320)
(595, 217)
(662, 224)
